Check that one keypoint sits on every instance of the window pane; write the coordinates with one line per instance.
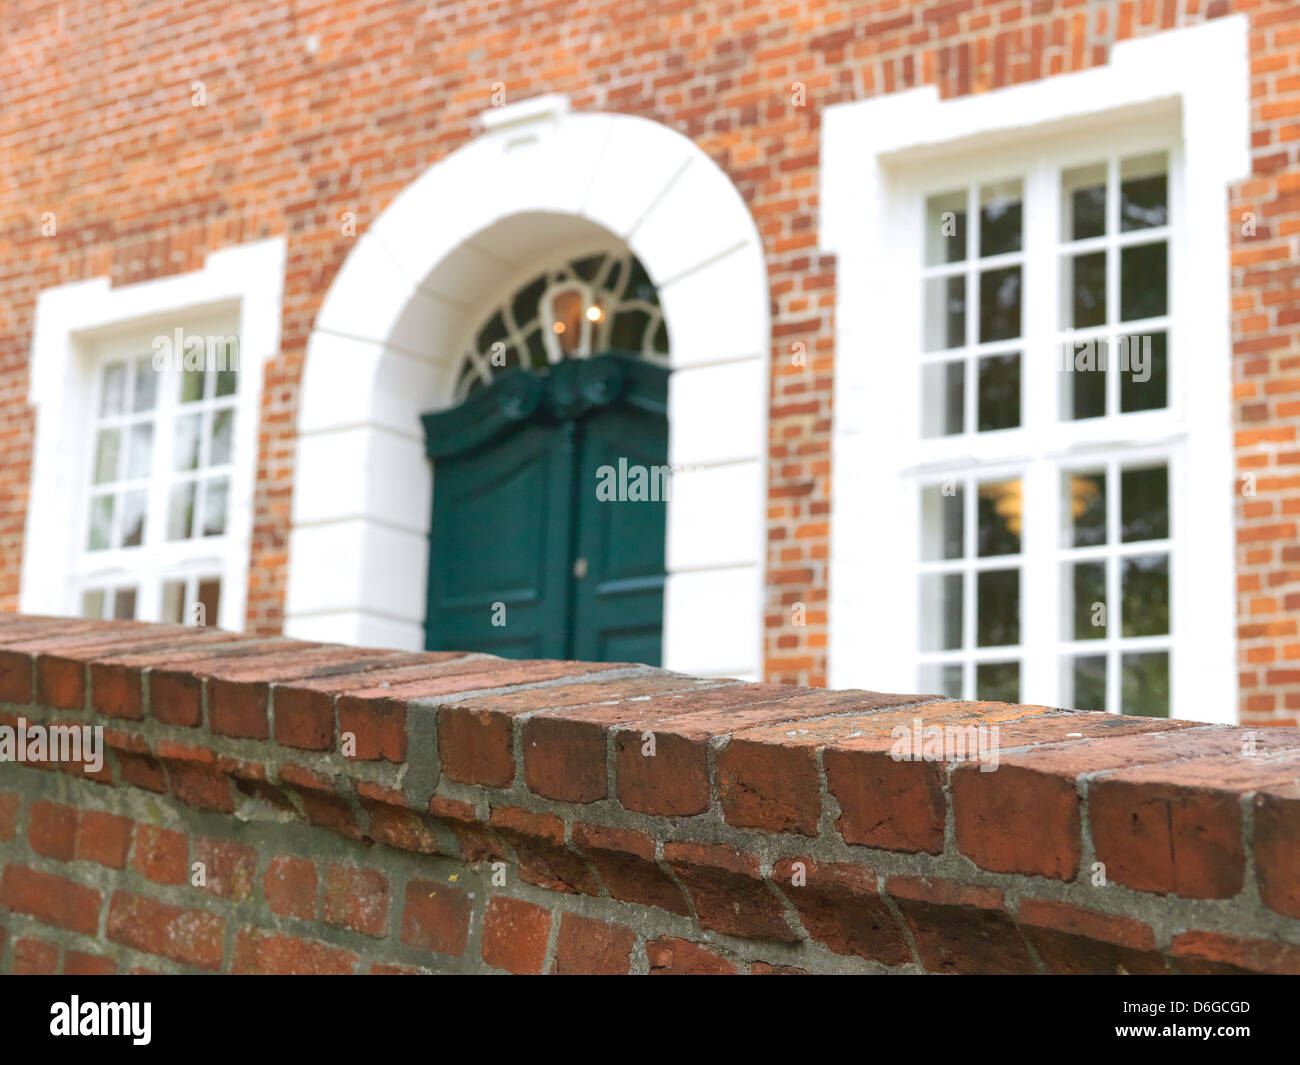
(101, 522)
(1000, 212)
(998, 682)
(941, 628)
(941, 523)
(1143, 282)
(1086, 677)
(997, 608)
(1144, 504)
(1087, 592)
(134, 505)
(92, 603)
(113, 399)
(223, 423)
(180, 512)
(1085, 509)
(107, 445)
(227, 382)
(210, 600)
(1145, 384)
(945, 228)
(145, 392)
(185, 455)
(1083, 378)
(1144, 684)
(1143, 192)
(1000, 304)
(173, 601)
(124, 604)
(1083, 202)
(214, 507)
(192, 385)
(941, 679)
(944, 392)
(945, 313)
(999, 518)
(1083, 281)
(1144, 582)
(999, 392)
(139, 451)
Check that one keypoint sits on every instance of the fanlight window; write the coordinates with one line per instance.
(573, 310)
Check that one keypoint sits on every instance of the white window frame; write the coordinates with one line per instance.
(1190, 83)
(78, 327)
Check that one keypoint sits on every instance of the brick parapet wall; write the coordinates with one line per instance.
(501, 815)
(144, 185)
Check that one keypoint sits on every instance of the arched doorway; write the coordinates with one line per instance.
(390, 341)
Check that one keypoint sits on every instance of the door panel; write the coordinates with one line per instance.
(501, 532)
(619, 603)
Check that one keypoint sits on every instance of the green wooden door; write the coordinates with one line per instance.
(549, 511)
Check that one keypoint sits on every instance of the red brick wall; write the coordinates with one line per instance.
(98, 128)
(495, 815)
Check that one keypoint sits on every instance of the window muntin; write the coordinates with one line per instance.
(1107, 239)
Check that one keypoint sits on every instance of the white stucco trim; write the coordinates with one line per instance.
(387, 341)
(1199, 77)
(244, 283)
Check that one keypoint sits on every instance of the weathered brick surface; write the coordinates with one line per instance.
(809, 844)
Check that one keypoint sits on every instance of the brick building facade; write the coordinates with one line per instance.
(166, 166)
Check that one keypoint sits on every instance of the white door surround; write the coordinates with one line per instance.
(394, 324)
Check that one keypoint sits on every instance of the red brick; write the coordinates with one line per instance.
(680, 957)
(1014, 820)
(769, 786)
(1215, 953)
(17, 678)
(476, 746)
(1075, 941)
(60, 682)
(161, 855)
(175, 697)
(78, 963)
(378, 727)
(959, 929)
(35, 957)
(1277, 849)
(116, 690)
(892, 805)
(228, 868)
(201, 786)
(103, 838)
(290, 887)
(261, 953)
(672, 783)
(588, 946)
(515, 934)
(436, 917)
(191, 937)
(729, 894)
(565, 759)
(544, 859)
(357, 899)
(52, 830)
(1138, 828)
(625, 862)
(303, 718)
(239, 709)
(841, 907)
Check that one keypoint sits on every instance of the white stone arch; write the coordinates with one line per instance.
(394, 323)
